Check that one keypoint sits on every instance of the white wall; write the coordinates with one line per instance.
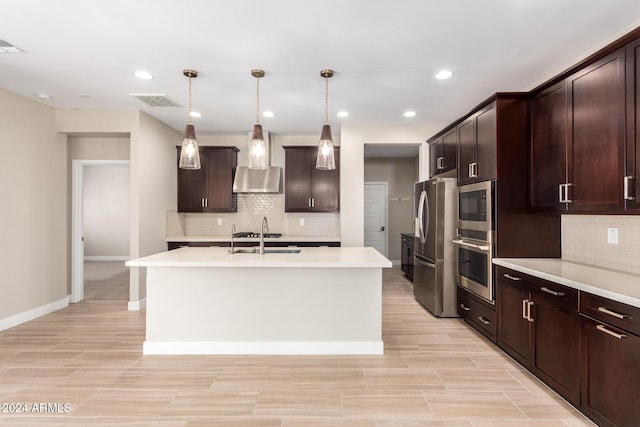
(353, 138)
(33, 161)
(106, 211)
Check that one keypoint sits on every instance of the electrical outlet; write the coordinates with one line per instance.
(219, 221)
(612, 236)
(301, 221)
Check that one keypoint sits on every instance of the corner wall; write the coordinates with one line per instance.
(33, 164)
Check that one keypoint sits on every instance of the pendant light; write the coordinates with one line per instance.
(189, 153)
(326, 159)
(257, 146)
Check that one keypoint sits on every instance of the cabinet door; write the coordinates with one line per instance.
(487, 144)
(325, 185)
(548, 149)
(610, 374)
(466, 149)
(449, 150)
(556, 346)
(596, 135)
(220, 169)
(513, 327)
(436, 157)
(632, 172)
(297, 180)
(191, 187)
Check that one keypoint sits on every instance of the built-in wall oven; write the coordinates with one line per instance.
(475, 237)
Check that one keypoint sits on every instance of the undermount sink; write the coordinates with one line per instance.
(256, 250)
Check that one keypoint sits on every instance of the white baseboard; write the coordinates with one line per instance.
(137, 305)
(265, 347)
(107, 258)
(25, 316)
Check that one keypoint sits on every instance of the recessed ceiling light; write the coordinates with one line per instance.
(409, 114)
(343, 114)
(268, 114)
(44, 96)
(444, 74)
(143, 75)
(195, 114)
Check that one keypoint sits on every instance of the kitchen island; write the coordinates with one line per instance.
(317, 301)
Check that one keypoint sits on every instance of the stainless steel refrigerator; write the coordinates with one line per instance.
(434, 266)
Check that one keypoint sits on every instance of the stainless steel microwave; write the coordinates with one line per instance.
(476, 206)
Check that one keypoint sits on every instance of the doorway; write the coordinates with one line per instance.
(375, 216)
(106, 227)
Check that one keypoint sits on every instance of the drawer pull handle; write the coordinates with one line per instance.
(607, 331)
(524, 309)
(612, 313)
(483, 320)
(549, 291)
(508, 276)
(465, 308)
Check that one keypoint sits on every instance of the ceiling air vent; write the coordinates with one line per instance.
(154, 99)
(8, 47)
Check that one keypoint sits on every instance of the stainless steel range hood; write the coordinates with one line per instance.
(267, 180)
(258, 180)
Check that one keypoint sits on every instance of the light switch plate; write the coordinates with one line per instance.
(612, 236)
(219, 221)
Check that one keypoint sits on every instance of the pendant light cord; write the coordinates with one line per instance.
(326, 100)
(257, 100)
(190, 100)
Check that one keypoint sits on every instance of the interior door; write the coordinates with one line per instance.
(375, 216)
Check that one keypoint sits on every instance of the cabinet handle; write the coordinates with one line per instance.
(524, 308)
(313, 202)
(549, 291)
(560, 195)
(484, 320)
(612, 313)
(566, 193)
(627, 188)
(529, 305)
(470, 170)
(206, 202)
(202, 202)
(508, 276)
(602, 328)
(309, 200)
(440, 163)
(464, 307)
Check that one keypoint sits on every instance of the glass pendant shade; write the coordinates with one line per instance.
(326, 159)
(257, 149)
(189, 153)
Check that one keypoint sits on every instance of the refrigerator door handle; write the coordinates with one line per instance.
(423, 197)
(426, 221)
(423, 262)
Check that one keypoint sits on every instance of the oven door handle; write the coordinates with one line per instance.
(483, 248)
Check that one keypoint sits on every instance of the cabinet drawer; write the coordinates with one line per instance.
(479, 314)
(615, 313)
(560, 294)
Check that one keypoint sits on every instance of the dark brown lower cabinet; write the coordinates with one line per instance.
(478, 313)
(539, 326)
(610, 362)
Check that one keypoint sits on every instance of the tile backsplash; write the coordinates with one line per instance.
(251, 209)
(584, 239)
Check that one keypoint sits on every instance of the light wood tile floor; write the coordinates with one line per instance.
(435, 372)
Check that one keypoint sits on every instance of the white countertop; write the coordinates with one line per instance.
(352, 257)
(227, 238)
(613, 284)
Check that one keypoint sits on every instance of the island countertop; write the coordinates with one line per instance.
(335, 257)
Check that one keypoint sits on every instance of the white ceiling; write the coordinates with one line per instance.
(385, 55)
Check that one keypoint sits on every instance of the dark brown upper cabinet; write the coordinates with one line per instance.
(477, 146)
(577, 144)
(209, 189)
(307, 189)
(631, 186)
(443, 153)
